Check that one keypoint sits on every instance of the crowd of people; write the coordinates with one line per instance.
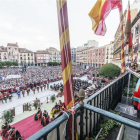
(32, 76)
(35, 78)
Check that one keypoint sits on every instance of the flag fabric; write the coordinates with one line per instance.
(128, 29)
(99, 12)
(136, 97)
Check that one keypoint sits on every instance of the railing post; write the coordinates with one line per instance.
(81, 123)
(67, 131)
(45, 137)
(94, 117)
(58, 133)
(86, 122)
(90, 114)
(109, 104)
(97, 113)
(75, 130)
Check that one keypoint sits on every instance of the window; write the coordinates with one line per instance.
(136, 30)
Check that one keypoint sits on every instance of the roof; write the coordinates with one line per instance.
(42, 52)
(3, 49)
(24, 50)
(52, 49)
(12, 44)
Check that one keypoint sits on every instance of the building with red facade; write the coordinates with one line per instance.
(96, 56)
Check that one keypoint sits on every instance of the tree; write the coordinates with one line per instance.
(55, 63)
(110, 70)
(49, 63)
(0, 65)
(15, 63)
(8, 63)
(3, 63)
(52, 64)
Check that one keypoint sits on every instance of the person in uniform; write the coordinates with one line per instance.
(38, 115)
(54, 109)
(14, 134)
(5, 129)
(45, 119)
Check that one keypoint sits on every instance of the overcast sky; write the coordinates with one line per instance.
(33, 23)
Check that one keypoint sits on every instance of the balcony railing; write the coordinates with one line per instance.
(87, 117)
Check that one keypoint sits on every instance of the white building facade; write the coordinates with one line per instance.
(3, 54)
(56, 55)
(13, 52)
(26, 57)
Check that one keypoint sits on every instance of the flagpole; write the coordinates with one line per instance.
(122, 39)
(132, 47)
(66, 62)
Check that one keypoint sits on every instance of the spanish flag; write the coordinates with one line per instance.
(99, 12)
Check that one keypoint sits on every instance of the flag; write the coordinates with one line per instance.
(128, 29)
(99, 12)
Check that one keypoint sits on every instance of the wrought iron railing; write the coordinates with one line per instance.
(88, 116)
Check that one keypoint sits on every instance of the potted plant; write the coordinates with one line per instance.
(53, 98)
(10, 98)
(35, 104)
(5, 98)
(130, 96)
(7, 116)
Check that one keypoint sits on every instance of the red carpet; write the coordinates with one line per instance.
(27, 127)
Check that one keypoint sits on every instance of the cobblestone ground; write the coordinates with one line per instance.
(130, 133)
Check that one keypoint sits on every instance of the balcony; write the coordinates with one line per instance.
(87, 117)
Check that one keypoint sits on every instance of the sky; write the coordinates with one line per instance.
(33, 24)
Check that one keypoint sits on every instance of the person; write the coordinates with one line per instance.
(1, 97)
(35, 84)
(31, 85)
(45, 112)
(60, 103)
(45, 119)
(5, 129)
(54, 109)
(93, 80)
(53, 118)
(18, 92)
(38, 115)
(14, 134)
(47, 85)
